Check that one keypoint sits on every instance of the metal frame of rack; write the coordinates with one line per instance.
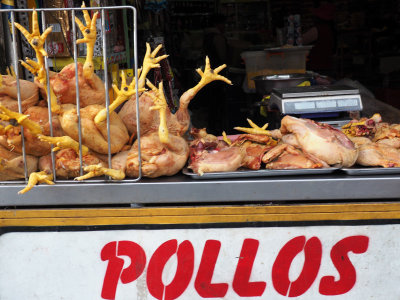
(102, 10)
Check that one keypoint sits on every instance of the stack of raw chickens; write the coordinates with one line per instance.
(163, 149)
(299, 143)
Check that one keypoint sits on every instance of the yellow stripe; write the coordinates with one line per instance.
(8, 2)
(201, 215)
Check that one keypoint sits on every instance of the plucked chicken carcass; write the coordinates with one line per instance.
(374, 154)
(320, 140)
(9, 93)
(12, 139)
(285, 156)
(162, 153)
(91, 90)
(208, 154)
(94, 135)
(177, 123)
(12, 165)
(68, 163)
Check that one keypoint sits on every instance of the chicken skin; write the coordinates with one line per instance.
(320, 140)
(91, 91)
(33, 145)
(285, 156)
(208, 154)
(67, 163)
(9, 94)
(177, 123)
(375, 155)
(158, 159)
(12, 165)
(94, 135)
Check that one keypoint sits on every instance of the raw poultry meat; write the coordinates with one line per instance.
(320, 140)
(33, 146)
(9, 93)
(374, 154)
(208, 154)
(253, 148)
(94, 135)
(364, 127)
(177, 123)
(67, 163)
(158, 158)
(388, 134)
(285, 156)
(91, 91)
(12, 164)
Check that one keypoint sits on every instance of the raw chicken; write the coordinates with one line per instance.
(67, 163)
(12, 165)
(9, 94)
(320, 140)
(208, 154)
(177, 123)
(33, 146)
(253, 148)
(94, 135)
(91, 91)
(158, 159)
(388, 134)
(364, 127)
(285, 156)
(374, 154)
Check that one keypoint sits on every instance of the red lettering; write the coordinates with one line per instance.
(115, 270)
(241, 284)
(347, 273)
(280, 270)
(203, 284)
(184, 271)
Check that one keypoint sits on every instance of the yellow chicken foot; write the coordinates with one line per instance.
(4, 130)
(254, 128)
(63, 142)
(150, 61)
(226, 139)
(207, 76)
(40, 74)
(8, 115)
(125, 93)
(89, 37)
(98, 170)
(35, 39)
(35, 178)
(160, 104)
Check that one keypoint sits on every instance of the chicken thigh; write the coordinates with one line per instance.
(374, 154)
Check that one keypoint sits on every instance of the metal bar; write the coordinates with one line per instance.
(46, 63)
(15, 60)
(78, 105)
(66, 8)
(137, 91)
(181, 189)
(103, 34)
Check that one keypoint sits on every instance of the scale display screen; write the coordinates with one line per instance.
(304, 105)
(314, 105)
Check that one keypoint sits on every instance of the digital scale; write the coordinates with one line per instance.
(335, 105)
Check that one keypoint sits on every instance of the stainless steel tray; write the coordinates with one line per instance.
(257, 173)
(370, 171)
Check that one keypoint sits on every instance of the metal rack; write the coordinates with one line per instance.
(102, 10)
